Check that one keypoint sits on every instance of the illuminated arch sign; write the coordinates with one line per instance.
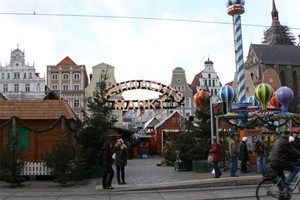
(173, 98)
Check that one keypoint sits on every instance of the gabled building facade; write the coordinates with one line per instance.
(278, 53)
(207, 80)
(179, 83)
(20, 81)
(68, 80)
(106, 72)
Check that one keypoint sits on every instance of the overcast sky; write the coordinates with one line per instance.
(114, 33)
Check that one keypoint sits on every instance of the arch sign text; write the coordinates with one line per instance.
(171, 98)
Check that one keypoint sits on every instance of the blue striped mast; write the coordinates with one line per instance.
(235, 8)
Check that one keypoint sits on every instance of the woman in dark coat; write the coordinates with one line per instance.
(217, 153)
(121, 160)
(244, 155)
(107, 166)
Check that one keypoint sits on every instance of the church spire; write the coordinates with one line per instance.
(277, 34)
(275, 17)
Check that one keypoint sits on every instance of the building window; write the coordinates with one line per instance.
(16, 88)
(66, 100)
(5, 88)
(282, 78)
(54, 76)
(76, 87)
(178, 80)
(76, 76)
(17, 75)
(65, 76)
(3, 76)
(209, 83)
(103, 77)
(65, 87)
(38, 87)
(182, 88)
(187, 102)
(209, 76)
(30, 76)
(8, 75)
(76, 103)
(54, 87)
(27, 87)
(24, 75)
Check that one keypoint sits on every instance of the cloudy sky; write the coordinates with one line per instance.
(142, 39)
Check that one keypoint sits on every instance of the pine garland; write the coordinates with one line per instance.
(252, 122)
(43, 130)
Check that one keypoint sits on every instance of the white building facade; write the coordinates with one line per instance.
(209, 80)
(20, 81)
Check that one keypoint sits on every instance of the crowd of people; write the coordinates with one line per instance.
(283, 155)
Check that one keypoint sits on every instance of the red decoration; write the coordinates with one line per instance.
(274, 101)
(198, 96)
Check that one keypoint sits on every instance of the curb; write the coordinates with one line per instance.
(203, 183)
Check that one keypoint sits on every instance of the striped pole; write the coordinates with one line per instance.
(235, 8)
(239, 57)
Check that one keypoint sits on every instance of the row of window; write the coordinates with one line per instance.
(17, 87)
(16, 75)
(65, 76)
(65, 87)
(211, 82)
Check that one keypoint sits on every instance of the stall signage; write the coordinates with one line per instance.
(171, 98)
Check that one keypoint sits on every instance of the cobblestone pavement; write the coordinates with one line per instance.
(141, 174)
(145, 173)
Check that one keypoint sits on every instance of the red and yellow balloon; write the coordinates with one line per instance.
(198, 96)
(274, 102)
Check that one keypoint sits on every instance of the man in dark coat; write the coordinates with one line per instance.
(282, 156)
(107, 166)
(244, 155)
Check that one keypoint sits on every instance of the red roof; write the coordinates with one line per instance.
(36, 109)
(67, 61)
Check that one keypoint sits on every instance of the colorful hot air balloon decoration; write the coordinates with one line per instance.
(274, 101)
(227, 94)
(198, 96)
(263, 93)
(284, 95)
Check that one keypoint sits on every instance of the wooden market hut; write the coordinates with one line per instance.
(41, 125)
(166, 129)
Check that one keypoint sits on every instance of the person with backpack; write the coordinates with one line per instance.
(260, 152)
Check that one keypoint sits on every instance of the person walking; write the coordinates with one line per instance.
(107, 166)
(217, 156)
(244, 155)
(121, 160)
(261, 154)
(233, 151)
